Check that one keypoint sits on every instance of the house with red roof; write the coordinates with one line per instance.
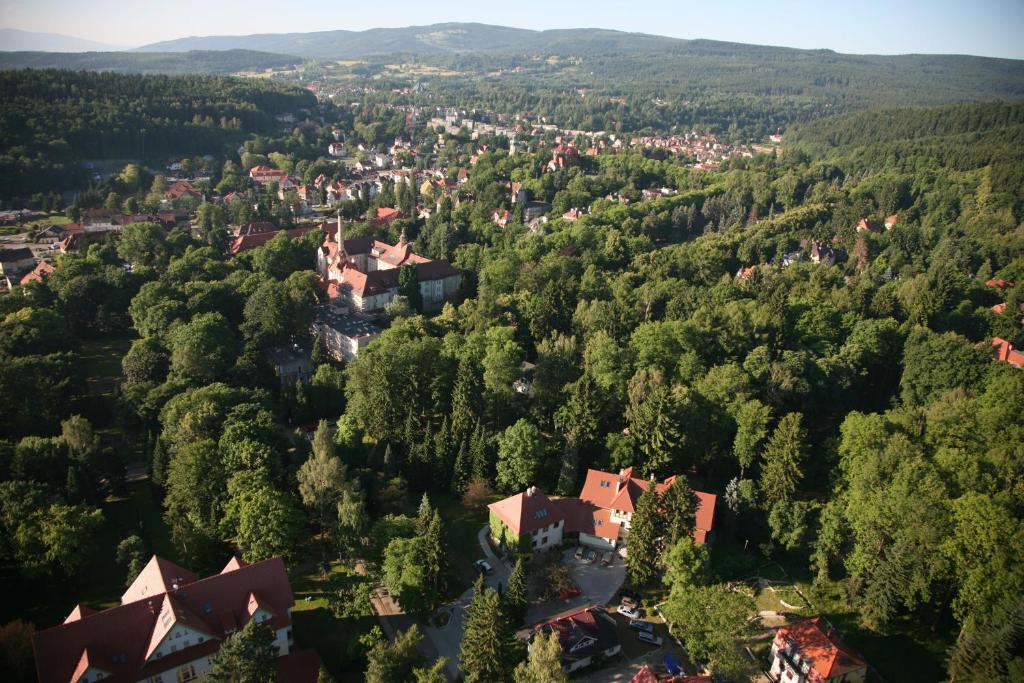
(168, 625)
(599, 518)
(811, 651)
(364, 272)
(584, 634)
(891, 221)
(386, 215)
(1003, 350)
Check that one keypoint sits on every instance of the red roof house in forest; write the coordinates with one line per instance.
(1003, 350)
(811, 651)
(600, 516)
(168, 625)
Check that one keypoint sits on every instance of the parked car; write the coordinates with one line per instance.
(591, 555)
(579, 552)
(628, 601)
(628, 611)
(569, 593)
(484, 567)
(606, 559)
(650, 638)
(641, 625)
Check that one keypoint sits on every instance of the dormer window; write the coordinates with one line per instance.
(605, 484)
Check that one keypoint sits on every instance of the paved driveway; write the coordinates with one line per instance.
(447, 639)
(598, 583)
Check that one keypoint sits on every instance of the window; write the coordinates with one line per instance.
(541, 514)
(174, 648)
(187, 673)
(544, 541)
(201, 639)
(605, 484)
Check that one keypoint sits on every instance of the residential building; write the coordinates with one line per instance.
(364, 273)
(39, 273)
(15, 262)
(891, 221)
(811, 651)
(599, 518)
(1003, 350)
(169, 624)
(586, 635)
(822, 254)
(291, 363)
(258, 239)
(344, 334)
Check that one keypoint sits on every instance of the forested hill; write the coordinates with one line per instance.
(217, 62)
(425, 40)
(919, 139)
(50, 120)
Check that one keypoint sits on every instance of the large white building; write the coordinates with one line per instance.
(364, 272)
(169, 624)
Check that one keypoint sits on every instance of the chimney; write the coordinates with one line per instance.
(529, 491)
(339, 235)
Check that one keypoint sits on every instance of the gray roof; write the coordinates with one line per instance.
(18, 254)
(352, 326)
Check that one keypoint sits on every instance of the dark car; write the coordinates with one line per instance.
(641, 625)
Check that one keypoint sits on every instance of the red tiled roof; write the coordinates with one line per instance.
(157, 577)
(999, 283)
(39, 273)
(524, 513)
(1003, 350)
(644, 675)
(246, 242)
(118, 639)
(820, 645)
(600, 489)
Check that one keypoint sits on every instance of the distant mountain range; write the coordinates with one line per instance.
(426, 40)
(15, 40)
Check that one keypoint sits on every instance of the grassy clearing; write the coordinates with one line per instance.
(317, 626)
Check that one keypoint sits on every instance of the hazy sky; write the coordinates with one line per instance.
(980, 27)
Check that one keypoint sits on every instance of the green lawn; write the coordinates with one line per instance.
(317, 627)
(101, 360)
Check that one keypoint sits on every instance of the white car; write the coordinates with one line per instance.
(650, 638)
(484, 567)
(627, 611)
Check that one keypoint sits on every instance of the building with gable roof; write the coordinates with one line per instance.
(584, 634)
(599, 518)
(811, 651)
(364, 272)
(1003, 350)
(168, 625)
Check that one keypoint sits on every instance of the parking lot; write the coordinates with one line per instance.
(598, 585)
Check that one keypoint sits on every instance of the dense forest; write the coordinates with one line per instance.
(220, 62)
(849, 416)
(51, 120)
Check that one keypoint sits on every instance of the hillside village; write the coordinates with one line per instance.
(344, 384)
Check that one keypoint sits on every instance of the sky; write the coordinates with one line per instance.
(980, 27)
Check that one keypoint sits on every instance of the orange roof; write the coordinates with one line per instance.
(1003, 350)
(527, 511)
(644, 675)
(622, 491)
(819, 644)
(999, 284)
(39, 273)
